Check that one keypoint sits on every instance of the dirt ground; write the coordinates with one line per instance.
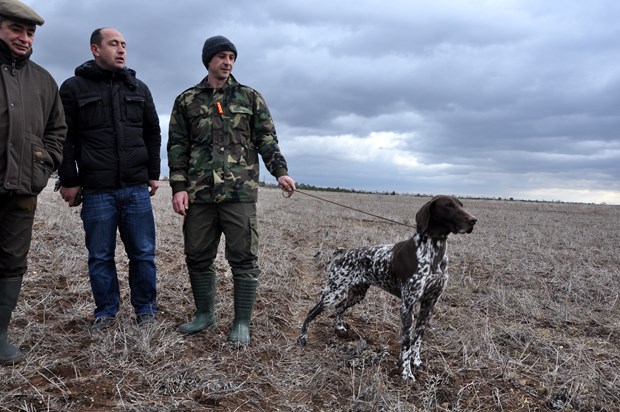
(529, 320)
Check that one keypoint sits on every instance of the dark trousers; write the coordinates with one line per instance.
(16, 221)
(203, 227)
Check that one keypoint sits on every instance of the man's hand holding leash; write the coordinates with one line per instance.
(287, 184)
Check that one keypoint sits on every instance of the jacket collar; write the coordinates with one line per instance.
(204, 84)
(91, 70)
(7, 58)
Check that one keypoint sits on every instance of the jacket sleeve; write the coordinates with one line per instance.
(179, 147)
(55, 131)
(68, 169)
(265, 138)
(152, 135)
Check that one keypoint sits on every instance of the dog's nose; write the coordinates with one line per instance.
(472, 220)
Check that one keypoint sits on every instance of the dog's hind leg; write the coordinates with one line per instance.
(313, 313)
(331, 292)
(355, 295)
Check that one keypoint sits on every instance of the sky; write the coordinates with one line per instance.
(483, 98)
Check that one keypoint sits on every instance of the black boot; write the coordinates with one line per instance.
(9, 292)
(245, 293)
(203, 289)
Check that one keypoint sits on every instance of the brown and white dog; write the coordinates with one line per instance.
(414, 270)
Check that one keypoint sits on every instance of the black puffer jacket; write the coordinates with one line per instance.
(114, 134)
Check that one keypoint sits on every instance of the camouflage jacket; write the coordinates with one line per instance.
(215, 137)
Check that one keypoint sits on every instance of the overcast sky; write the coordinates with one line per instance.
(492, 98)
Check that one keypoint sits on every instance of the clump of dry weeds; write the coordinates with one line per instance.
(529, 321)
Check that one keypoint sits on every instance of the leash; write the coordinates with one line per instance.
(289, 194)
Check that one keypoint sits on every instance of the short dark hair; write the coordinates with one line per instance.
(97, 37)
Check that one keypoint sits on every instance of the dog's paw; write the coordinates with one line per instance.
(343, 333)
(408, 375)
(408, 369)
(342, 327)
(302, 340)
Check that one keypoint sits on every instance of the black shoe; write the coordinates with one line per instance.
(101, 324)
(146, 318)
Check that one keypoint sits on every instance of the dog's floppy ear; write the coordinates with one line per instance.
(423, 216)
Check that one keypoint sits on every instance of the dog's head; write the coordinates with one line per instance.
(443, 215)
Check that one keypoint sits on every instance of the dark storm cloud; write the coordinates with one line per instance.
(506, 98)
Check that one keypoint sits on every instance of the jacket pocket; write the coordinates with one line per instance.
(240, 133)
(134, 110)
(254, 236)
(42, 166)
(92, 114)
(240, 117)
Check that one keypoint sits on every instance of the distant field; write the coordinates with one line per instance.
(530, 320)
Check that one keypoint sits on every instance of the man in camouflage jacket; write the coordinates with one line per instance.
(218, 129)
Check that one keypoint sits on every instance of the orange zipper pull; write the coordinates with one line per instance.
(219, 108)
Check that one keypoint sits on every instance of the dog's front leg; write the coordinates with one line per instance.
(406, 328)
(426, 308)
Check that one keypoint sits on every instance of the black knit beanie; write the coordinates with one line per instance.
(214, 45)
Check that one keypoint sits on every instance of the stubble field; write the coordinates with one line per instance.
(530, 320)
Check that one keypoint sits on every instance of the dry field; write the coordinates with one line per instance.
(530, 320)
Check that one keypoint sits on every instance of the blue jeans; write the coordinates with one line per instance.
(128, 209)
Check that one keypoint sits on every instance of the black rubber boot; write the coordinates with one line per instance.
(9, 292)
(203, 289)
(245, 293)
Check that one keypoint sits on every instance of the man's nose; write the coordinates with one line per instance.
(23, 36)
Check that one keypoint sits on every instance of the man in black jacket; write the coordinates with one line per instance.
(32, 128)
(114, 140)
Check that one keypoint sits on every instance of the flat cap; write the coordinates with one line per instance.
(16, 10)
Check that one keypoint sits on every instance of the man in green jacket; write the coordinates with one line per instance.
(32, 130)
(218, 129)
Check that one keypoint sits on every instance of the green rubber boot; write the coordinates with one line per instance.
(203, 289)
(9, 292)
(245, 293)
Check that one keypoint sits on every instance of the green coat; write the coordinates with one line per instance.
(32, 125)
(215, 138)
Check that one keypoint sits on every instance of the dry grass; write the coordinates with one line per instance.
(529, 321)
